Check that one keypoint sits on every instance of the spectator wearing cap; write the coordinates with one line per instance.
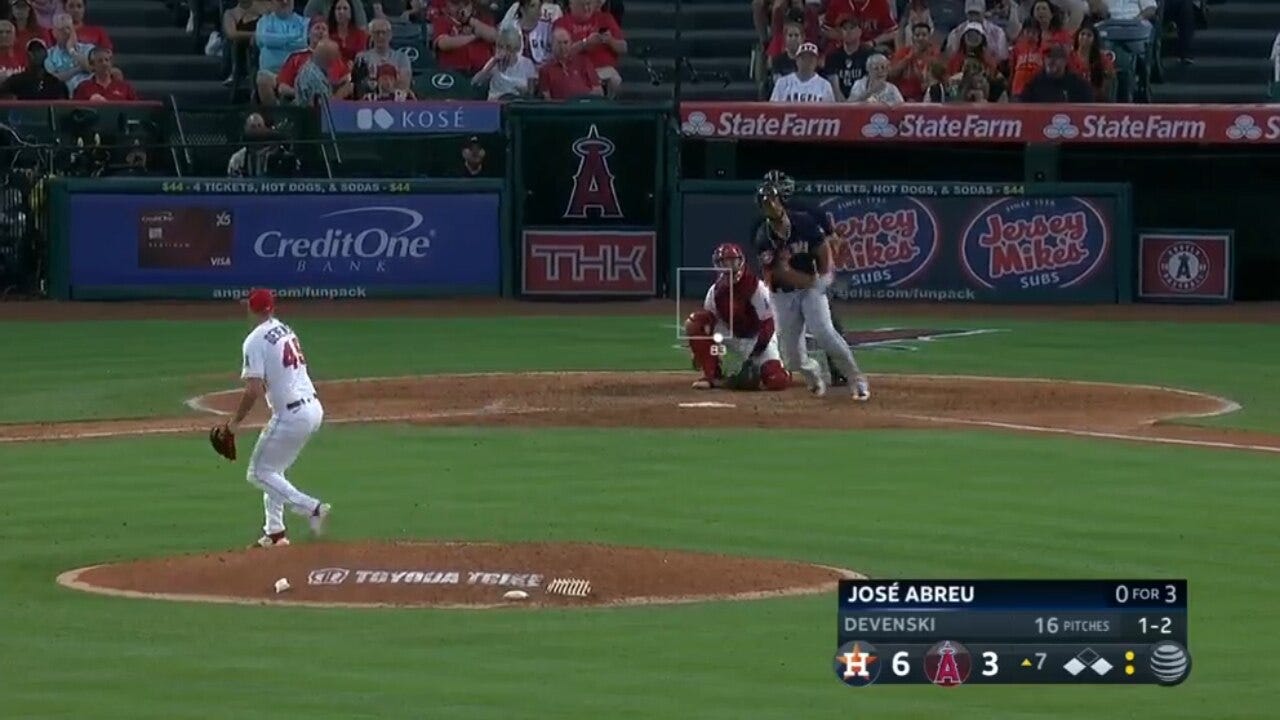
(875, 87)
(508, 74)
(68, 58)
(975, 12)
(473, 157)
(909, 67)
(92, 34)
(13, 58)
(24, 19)
(804, 85)
(596, 34)
(463, 40)
(973, 46)
(381, 53)
(785, 62)
(278, 35)
(387, 90)
(285, 87)
(846, 64)
(35, 82)
(325, 75)
(1054, 84)
(103, 85)
(567, 74)
(875, 16)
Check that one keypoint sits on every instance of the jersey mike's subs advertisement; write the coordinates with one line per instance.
(946, 241)
(209, 245)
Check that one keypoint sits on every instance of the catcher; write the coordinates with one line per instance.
(738, 309)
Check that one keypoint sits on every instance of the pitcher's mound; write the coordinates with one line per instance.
(456, 575)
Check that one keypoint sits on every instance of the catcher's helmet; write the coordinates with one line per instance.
(730, 257)
(785, 183)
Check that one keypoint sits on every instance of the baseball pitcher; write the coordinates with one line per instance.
(796, 259)
(275, 367)
(737, 308)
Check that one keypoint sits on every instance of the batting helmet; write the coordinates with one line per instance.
(785, 183)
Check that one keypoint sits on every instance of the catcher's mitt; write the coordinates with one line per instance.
(747, 377)
(223, 441)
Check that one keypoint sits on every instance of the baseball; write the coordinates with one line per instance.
(717, 337)
(515, 595)
(282, 584)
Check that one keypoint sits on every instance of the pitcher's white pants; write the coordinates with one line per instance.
(798, 309)
(278, 446)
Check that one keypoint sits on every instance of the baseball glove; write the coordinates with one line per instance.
(223, 441)
(747, 377)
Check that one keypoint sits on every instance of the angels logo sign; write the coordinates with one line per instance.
(594, 193)
(948, 664)
(1035, 243)
(882, 241)
(1184, 267)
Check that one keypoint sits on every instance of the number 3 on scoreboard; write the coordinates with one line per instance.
(991, 664)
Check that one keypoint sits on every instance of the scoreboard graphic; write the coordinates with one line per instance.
(1003, 632)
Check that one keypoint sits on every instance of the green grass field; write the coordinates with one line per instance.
(909, 504)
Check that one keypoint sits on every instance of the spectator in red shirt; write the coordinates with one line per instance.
(875, 17)
(567, 74)
(784, 13)
(13, 58)
(596, 35)
(1048, 18)
(342, 29)
(91, 34)
(24, 19)
(463, 41)
(1091, 63)
(974, 51)
(102, 85)
(909, 68)
(283, 87)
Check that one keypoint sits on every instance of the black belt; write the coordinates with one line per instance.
(299, 403)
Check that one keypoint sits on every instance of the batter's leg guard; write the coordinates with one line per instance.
(773, 376)
(837, 378)
(698, 329)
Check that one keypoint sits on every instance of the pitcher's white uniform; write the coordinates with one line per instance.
(273, 353)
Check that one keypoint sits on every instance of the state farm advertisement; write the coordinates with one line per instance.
(1001, 123)
(936, 245)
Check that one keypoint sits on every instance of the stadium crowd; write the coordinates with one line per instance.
(887, 51)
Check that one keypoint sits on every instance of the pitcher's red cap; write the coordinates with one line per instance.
(262, 301)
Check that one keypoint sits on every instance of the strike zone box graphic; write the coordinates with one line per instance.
(955, 632)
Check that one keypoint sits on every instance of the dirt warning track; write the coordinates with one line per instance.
(663, 400)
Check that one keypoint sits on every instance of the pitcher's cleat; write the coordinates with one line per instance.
(318, 518)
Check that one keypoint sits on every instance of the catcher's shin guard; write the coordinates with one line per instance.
(773, 376)
(698, 329)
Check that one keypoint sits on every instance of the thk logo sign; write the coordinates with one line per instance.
(589, 263)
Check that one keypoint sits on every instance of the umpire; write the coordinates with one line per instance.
(786, 187)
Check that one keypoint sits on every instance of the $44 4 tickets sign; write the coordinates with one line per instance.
(949, 241)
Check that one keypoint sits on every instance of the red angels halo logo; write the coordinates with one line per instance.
(594, 194)
(1035, 243)
(881, 241)
(1184, 267)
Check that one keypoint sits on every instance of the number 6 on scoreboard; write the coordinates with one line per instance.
(901, 667)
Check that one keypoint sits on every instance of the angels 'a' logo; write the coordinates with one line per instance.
(594, 194)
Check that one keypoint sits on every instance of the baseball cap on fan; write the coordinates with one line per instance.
(261, 301)
(808, 47)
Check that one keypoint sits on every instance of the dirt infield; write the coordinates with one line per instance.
(664, 400)
(456, 575)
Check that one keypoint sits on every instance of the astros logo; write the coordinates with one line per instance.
(857, 664)
(1184, 267)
